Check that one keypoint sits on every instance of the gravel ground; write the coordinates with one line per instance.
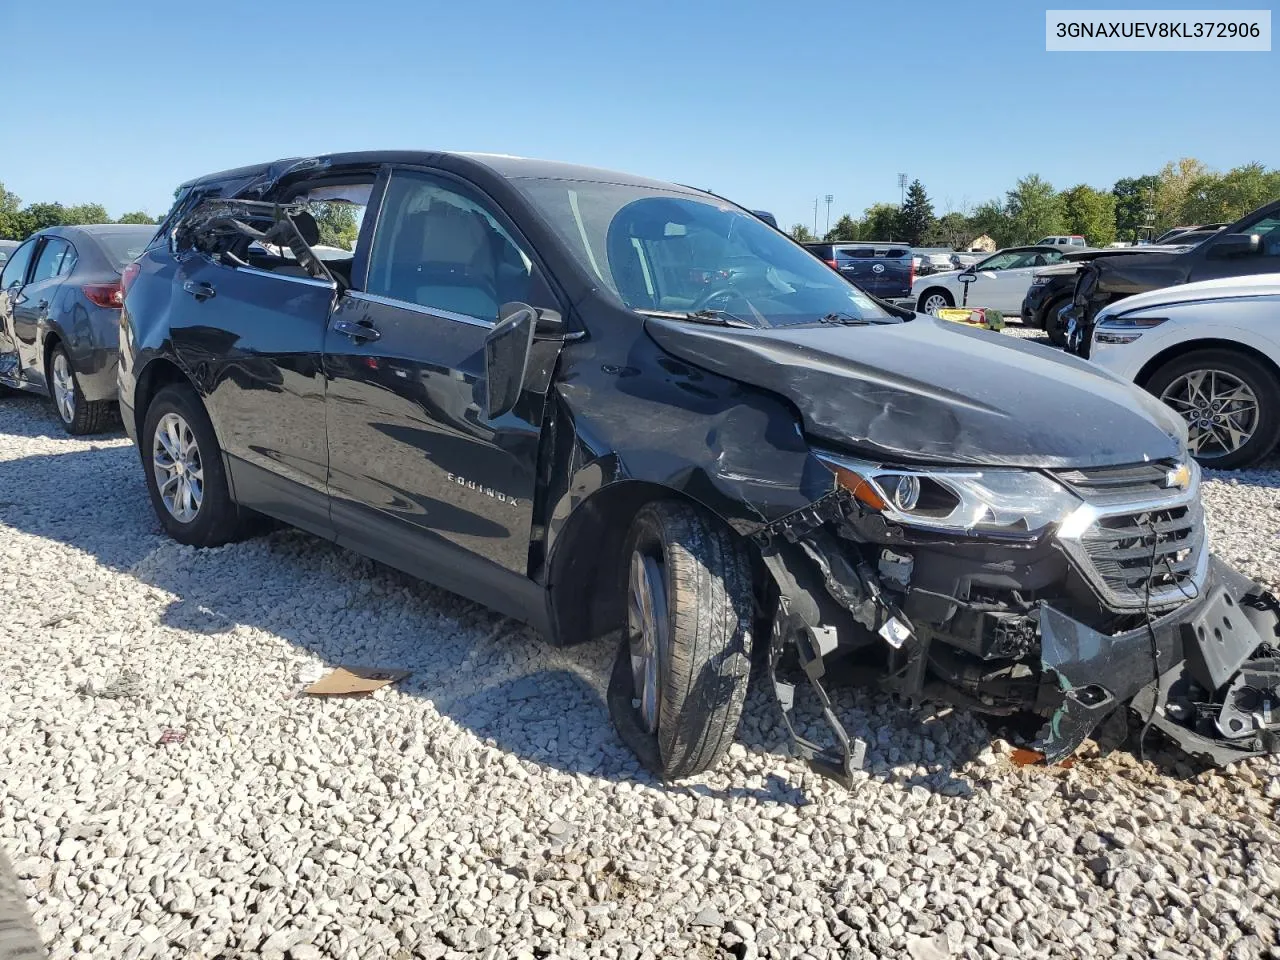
(166, 792)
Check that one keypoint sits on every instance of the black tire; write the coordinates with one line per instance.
(1255, 375)
(932, 292)
(84, 416)
(18, 937)
(218, 518)
(1056, 331)
(702, 683)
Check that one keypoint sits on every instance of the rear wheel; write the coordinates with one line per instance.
(680, 677)
(185, 473)
(77, 415)
(931, 301)
(1230, 401)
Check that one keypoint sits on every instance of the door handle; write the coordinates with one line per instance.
(356, 331)
(201, 291)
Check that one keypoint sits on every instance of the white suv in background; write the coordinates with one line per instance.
(1211, 351)
(1075, 240)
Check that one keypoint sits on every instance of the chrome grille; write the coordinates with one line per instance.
(1147, 543)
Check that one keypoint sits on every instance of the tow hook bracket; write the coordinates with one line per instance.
(811, 646)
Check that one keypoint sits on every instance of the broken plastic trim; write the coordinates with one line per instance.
(812, 644)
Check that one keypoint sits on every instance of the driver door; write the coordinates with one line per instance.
(419, 477)
(12, 280)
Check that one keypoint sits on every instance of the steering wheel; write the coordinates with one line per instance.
(712, 294)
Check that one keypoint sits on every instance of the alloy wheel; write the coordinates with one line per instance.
(648, 632)
(64, 387)
(935, 303)
(179, 471)
(1221, 411)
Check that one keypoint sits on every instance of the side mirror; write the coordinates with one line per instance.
(506, 353)
(1236, 245)
(550, 325)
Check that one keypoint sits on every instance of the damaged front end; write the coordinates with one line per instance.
(1066, 594)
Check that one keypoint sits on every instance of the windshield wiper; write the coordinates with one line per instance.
(845, 320)
(716, 318)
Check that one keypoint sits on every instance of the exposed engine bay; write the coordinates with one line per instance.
(1119, 606)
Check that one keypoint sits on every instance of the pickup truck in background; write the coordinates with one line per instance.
(884, 270)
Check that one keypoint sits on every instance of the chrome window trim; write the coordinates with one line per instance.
(309, 281)
(419, 308)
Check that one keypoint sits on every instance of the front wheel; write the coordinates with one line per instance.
(185, 473)
(1054, 325)
(1230, 401)
(680, 677)
(934, 300)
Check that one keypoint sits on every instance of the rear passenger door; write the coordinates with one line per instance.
(419, 477)
(252, 339)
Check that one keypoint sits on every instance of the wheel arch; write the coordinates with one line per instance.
(1177, 350)
(584, 569)
(156, 375)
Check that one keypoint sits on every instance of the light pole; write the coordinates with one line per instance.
(829, 198)
(902, 190)
(815, 218)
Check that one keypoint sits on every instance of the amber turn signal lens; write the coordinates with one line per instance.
(859, 487)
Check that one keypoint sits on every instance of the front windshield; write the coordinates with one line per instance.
(663, 251)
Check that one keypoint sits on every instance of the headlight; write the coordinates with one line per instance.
(1010, 502)
(1116, 330)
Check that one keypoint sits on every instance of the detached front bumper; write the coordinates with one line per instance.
(1218, 689)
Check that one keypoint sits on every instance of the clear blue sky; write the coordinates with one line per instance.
(765, 102)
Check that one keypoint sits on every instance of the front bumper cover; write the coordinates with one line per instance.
(1208, 670)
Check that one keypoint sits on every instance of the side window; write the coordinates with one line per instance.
(438, 247)
(50, 261)
(1269, 230)
(16, 268)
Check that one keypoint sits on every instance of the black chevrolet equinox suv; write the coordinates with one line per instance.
(607, 405)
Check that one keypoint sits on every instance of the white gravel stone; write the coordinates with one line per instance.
(484, 806)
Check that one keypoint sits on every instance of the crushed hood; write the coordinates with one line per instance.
(930, 391)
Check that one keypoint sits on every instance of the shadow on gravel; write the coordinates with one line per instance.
(494, 677)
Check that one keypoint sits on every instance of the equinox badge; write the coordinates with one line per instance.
(480, 488)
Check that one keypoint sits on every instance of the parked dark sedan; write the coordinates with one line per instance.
(60, 298)
(516, 387)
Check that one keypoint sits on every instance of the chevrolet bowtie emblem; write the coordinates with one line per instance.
(1179, 476)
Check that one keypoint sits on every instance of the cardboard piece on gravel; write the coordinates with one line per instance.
(344, 681)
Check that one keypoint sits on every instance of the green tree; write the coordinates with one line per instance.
(1091, 213)
(137, 216)
(1134, 195)
(800, 233)
(1034, 210)
(950, 230)
(37, 216)
(881, 222)
(846, 228)
(916, 219)
(1214, 197)
(337, 223)
(1175, 182)
(85, 213)
(10, 204)
(992, 220)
